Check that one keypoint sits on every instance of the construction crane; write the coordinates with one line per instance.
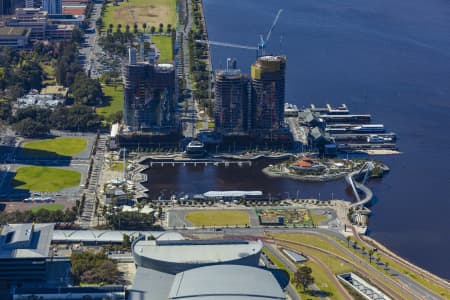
(261, 45)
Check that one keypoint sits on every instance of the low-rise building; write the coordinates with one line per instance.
(39, 100)
(25, 258)
(55, 90)
(59, 32)
(14, 37)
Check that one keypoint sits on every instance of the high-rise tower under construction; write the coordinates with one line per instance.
(268, 92)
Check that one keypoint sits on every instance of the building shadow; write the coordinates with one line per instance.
(13, 155)
(8, 187)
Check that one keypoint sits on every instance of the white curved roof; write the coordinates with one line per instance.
(196, 251)
(226, 282)
(104, 236)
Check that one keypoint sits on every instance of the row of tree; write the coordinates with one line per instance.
(40, 216)
(198, 54)
(34, 121)
(131, 221)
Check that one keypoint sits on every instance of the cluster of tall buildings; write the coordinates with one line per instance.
(245, 106)
(251, 105)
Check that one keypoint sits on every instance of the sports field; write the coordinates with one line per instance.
(50, 207)
(45, 179)
(66, 146)
(218, 218)
(151, 12)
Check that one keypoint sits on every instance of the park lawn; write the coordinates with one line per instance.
(49, 73)
(218, 218)
(50, 207)
(164, 44)
(114, 95)
(316, 218)
(45, 179)
(117, 166)
(66, 146)
(151, 12)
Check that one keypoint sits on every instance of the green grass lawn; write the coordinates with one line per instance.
(316, 218)
(49, 73)
(45, 179)
(117, 166)
(114, 100)
(164, 44)
(218, 218)
(61, 146)
(151, 12)
(51, 207)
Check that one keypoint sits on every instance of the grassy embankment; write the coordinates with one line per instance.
(334, 264)
(425, 282)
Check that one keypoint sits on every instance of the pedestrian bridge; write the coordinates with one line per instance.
(360, 187)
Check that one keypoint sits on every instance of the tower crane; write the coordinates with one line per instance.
(261, 45)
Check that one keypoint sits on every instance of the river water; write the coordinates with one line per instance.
(390, 58)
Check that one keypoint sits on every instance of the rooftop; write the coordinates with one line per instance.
(226, 282)
(207, 283)
(232, 193)
(25, 240)
(55, 90)
(113, 236)
(188, 251)
(21, 31)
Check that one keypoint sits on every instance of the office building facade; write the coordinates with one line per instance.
(268, 93)
(53, 7)
(232, 102)
(149, 96)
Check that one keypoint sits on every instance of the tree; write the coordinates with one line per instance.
(349, 238)
(31, 128)
(119, 27)
(303, 277)
(152, 29)
(144, 26)
(127, 28)
(126, 241)
(371, 252)
(135, 28)
(77, 36)
(169, 28)
(378, 259)
(86, 90)
(161, 27)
